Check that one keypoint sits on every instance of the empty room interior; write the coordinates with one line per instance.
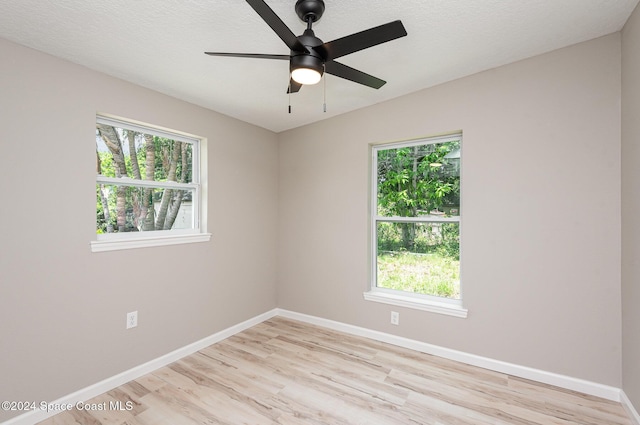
(520, 125)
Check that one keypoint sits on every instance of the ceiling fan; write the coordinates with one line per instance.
(310, 57)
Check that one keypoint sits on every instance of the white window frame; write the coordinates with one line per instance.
(198, 232)
(431, 303)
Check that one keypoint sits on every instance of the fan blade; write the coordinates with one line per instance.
(276, 24)
(348, 73)
(249, 55)
(294, 87)
(361, 40)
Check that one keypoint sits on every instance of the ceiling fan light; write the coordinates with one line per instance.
(306, 76)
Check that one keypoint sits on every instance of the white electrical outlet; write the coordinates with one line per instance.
(132, 319)
(395, 318)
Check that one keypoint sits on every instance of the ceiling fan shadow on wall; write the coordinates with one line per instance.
(310, 57)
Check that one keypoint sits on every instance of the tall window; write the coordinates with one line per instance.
(148, 188)
(416, 219)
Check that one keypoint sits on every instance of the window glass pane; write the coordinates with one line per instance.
(419, 181)
(137, 209)
(140, 156)
(422, 258)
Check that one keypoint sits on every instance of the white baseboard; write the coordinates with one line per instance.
(108, 384)
(567, 382)
(628, 406)
(575, 384)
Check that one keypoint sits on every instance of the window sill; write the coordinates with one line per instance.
(115, 245)
(418, 304)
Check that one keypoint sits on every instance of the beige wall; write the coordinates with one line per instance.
(631, 208)
(540, 212)
(63, 308)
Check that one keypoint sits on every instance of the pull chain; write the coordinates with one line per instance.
(289, 95)
(325, 94)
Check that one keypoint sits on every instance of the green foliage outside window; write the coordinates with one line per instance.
(419, 181)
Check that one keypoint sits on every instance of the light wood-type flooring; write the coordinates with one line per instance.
(286, 372)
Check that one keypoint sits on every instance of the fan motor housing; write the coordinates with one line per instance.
(310, 10)
(312, 59)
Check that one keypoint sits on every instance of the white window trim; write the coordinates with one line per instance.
(410, 301)
(120, 241)
(446, 306)
(146, 242)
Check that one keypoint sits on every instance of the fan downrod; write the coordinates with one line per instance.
(310, 10)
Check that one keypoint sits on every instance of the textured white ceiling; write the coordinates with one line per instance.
(160, 45)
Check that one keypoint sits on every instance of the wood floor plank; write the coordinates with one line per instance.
(284, 372)
(64, 418)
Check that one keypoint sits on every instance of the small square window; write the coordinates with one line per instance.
(148, 189)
